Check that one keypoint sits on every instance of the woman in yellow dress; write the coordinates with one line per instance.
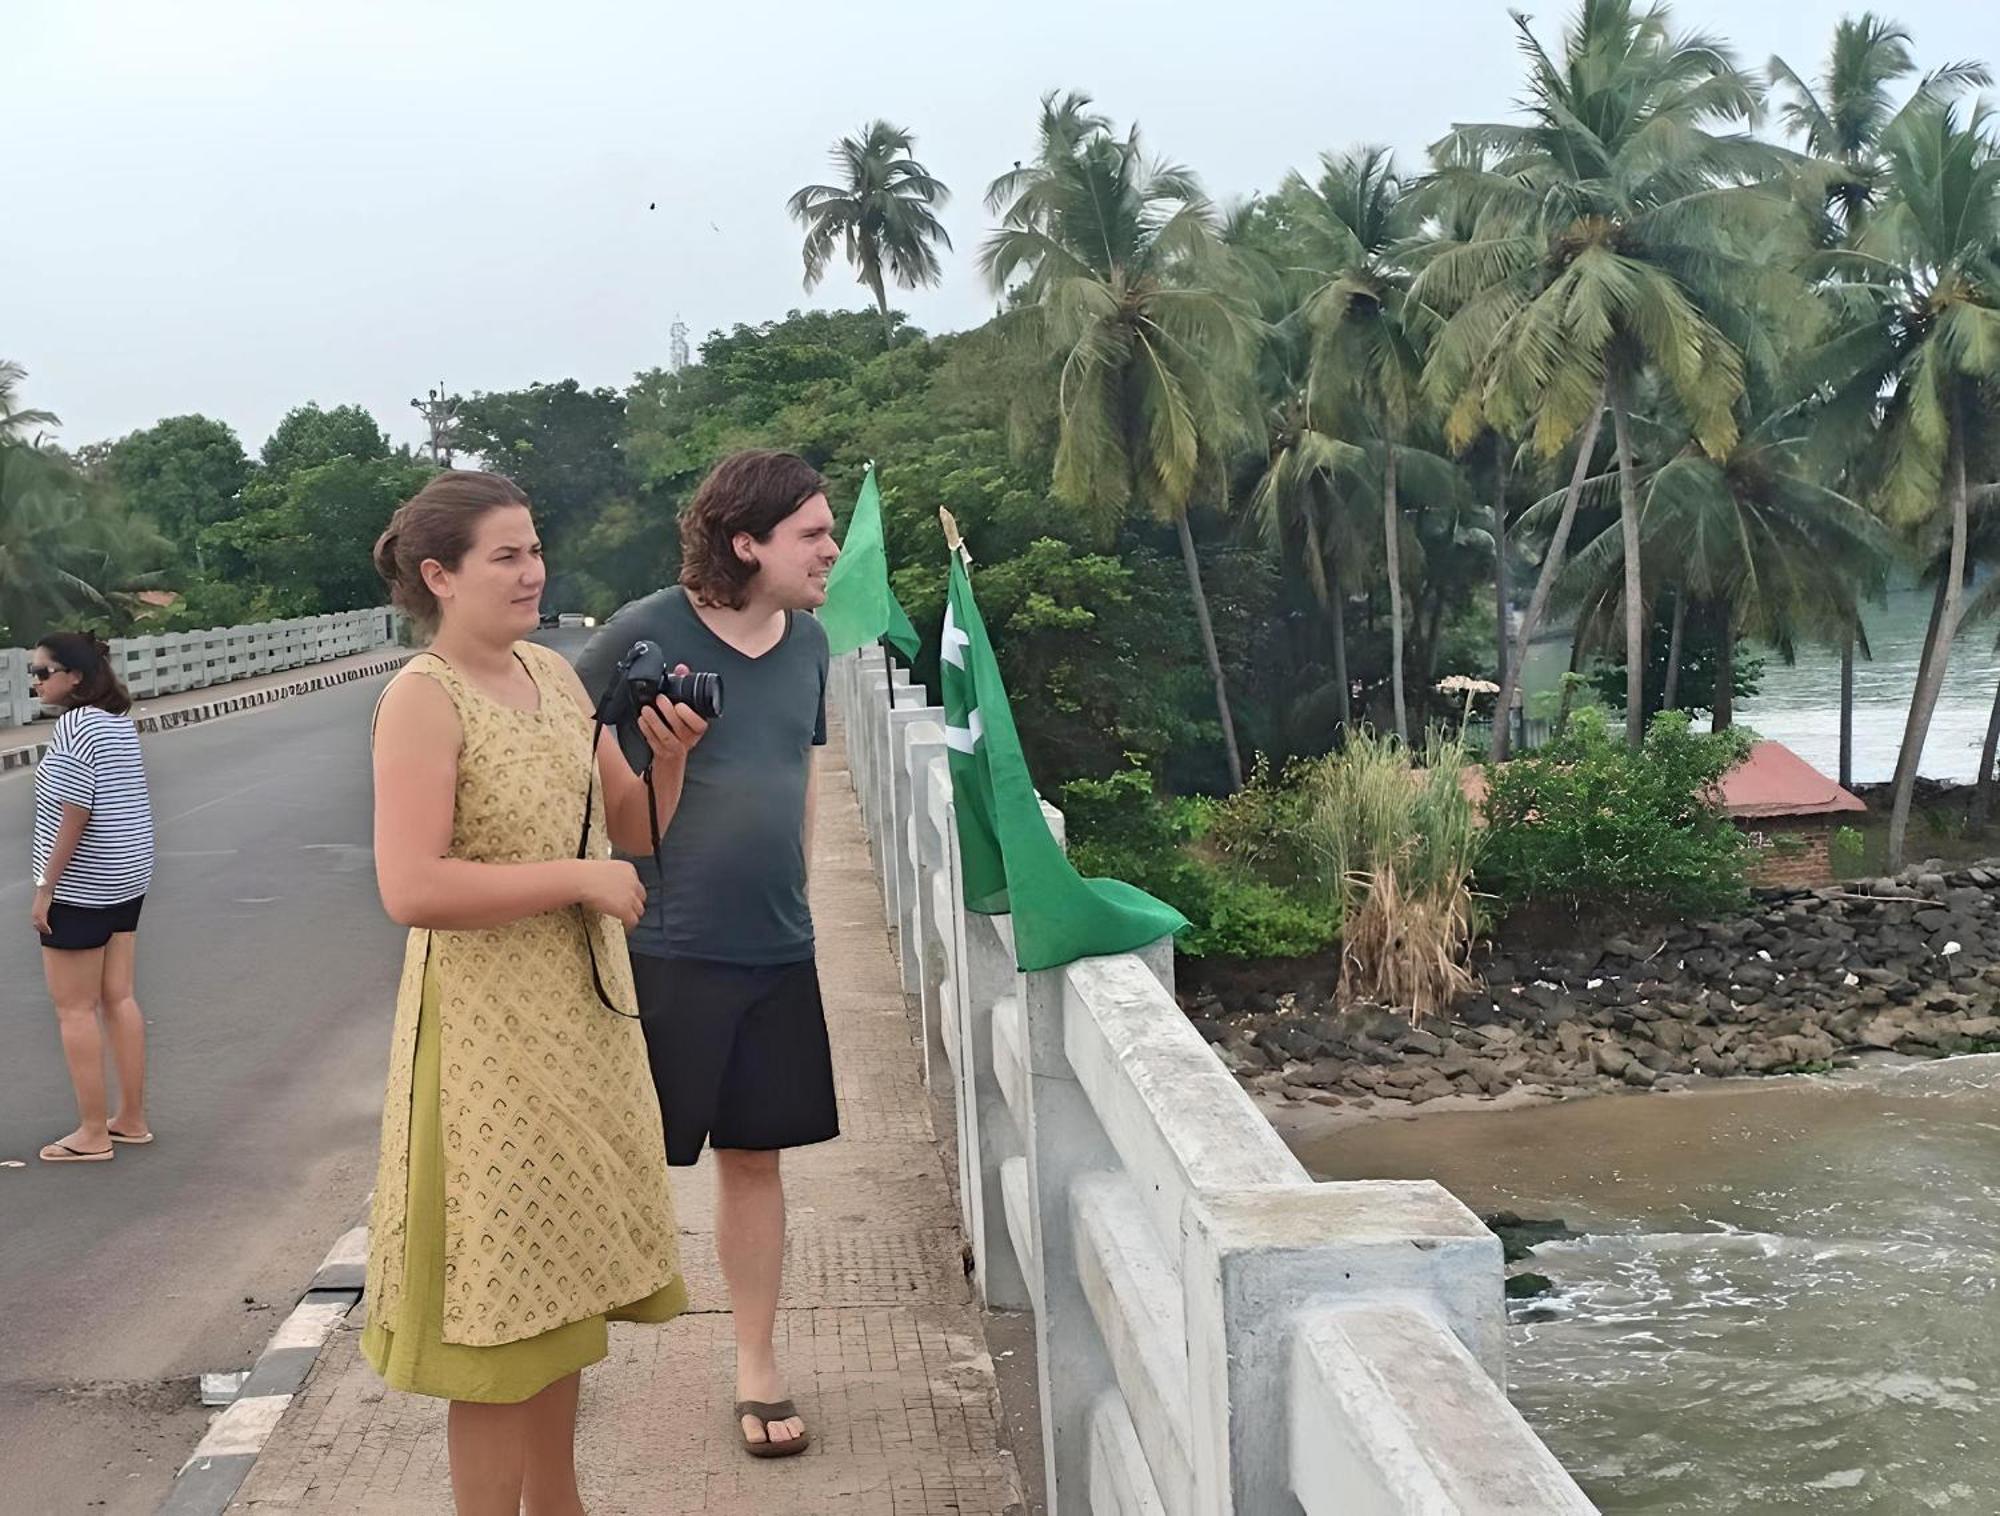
(522, 1200)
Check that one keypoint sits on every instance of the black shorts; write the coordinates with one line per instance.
(739, 1054)
(84, 928)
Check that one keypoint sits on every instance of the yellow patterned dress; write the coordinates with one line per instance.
(521, 1200)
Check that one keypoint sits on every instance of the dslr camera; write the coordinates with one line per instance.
(641, 678)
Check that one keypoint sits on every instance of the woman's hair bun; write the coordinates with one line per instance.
(385, 555)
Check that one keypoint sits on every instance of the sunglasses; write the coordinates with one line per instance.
(40, 671)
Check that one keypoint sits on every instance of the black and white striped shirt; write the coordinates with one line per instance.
(93, 761)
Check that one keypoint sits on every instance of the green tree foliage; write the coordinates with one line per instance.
(882, 213)
(307, 543)
(1131, 295)
(18, 421)
(1587, 821)
(1695, 675)
(1621, 232)
(300, 539)
(309, 436)
(1913, 364)
(186, 474)
(1119, 827)
(70, 554)
(564, 445)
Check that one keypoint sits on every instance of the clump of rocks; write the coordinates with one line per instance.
(1806, 980)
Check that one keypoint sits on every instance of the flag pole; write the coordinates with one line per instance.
(888, 669)
(952, 539)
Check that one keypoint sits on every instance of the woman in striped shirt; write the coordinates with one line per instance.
(93, 866)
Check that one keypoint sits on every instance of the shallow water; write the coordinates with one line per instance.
(1786, 1297)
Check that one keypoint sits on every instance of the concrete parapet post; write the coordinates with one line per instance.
(993, 1134)
(901, 818)
(1387, 1411)
(924, 951)
(1065, 1144)
(1252, 1256)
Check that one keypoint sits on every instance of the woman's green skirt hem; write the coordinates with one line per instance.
(409, 1351)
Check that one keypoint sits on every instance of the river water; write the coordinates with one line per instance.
(1800, 705)
(1785, 1297)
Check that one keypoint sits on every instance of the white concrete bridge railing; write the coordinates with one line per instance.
(1217, 1334)
(171, 662)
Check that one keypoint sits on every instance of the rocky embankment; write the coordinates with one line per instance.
(1910, 964)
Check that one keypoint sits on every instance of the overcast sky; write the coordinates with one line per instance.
(235, 206)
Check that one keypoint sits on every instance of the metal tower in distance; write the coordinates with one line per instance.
(440, 413)
(677, 346)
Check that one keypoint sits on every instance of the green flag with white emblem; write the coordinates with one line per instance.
(1009, 860)
(860, 608)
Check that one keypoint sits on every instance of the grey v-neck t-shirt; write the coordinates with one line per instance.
(732, 882)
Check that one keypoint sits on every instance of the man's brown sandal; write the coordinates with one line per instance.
(768, 1411)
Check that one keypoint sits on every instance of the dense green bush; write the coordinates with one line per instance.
(1248, 918)
(1586, 819)
(1848, 850)
(1121, 828)
(1261, 831)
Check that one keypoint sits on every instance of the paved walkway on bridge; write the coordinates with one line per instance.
(878, 1326)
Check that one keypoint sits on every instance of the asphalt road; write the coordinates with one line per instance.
(267, 972)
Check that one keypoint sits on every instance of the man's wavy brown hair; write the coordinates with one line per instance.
(750, 492)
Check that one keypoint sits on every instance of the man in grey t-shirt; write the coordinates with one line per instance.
(723, 958)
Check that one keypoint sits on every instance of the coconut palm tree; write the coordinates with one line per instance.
(1616, 235)
(1132, 295)
(1914, 362)
(1299, 503)
(1755, 542)
(882, 212)
(1019, 196)
(1839, 124)
(1368, 333)
(68, 552)
(17, 423)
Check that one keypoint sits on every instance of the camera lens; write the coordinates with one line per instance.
(700, 693)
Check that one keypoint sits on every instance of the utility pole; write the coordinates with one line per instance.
(440, 413)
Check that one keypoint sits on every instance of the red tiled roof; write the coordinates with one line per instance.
(1775, 781)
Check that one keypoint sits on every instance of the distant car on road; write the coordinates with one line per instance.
(570, 620)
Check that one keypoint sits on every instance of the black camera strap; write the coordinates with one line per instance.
(583, 852)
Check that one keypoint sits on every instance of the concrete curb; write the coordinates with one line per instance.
(216, 1469)
(30, 754)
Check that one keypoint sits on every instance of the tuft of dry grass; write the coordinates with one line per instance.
(1398, 842)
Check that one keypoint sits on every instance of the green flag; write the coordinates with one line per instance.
(860, 607)
(1008, 857)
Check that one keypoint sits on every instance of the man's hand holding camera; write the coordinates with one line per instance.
(671, 730)
(612, 886)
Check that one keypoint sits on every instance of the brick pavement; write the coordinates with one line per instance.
(878, 1326)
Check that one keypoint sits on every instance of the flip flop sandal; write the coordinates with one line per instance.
(137, 1142)
(768, 1411)
(62, 1152)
